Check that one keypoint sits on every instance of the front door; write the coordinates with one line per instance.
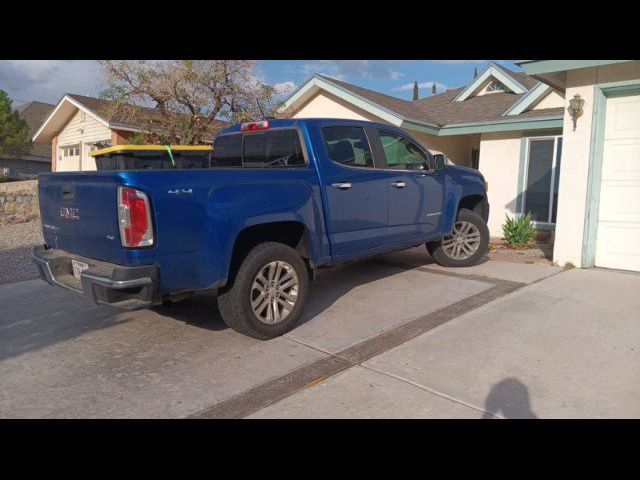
(356, 191)
(618, 235)
(415, 189)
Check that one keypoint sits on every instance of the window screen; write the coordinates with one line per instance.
(537, 196)
(348, 146)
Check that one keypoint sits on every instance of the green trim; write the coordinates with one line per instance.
(503, 126)
(492, 70)
(536, 93)
(419, 127)
(596, 148)
(536, 67)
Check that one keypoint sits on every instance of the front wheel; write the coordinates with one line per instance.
(466, 244)
(268, 293)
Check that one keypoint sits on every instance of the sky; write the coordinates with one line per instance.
(48, 80)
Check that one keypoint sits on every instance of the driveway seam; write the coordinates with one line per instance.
(427, 389)
(271, 392)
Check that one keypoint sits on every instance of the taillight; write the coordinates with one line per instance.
(253, 126)
(134, 218)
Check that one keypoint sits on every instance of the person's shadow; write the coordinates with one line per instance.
(510, 398)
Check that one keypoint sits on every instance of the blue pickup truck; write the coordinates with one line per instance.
(280, 199)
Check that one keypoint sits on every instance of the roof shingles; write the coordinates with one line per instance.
(441, 110)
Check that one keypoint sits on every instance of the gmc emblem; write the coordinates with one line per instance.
(69, 213)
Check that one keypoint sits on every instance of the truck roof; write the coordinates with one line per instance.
(293, 122)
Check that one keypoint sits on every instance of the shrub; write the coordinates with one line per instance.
(518, 231)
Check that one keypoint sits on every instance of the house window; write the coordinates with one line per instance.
(542, 168)
(496, 86)
(71, 151)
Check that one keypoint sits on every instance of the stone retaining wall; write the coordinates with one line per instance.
(18, 202)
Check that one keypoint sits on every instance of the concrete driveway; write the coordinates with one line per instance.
(367, 347)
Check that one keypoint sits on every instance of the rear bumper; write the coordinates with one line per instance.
(129, 288)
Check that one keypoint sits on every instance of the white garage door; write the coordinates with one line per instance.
(618, 237)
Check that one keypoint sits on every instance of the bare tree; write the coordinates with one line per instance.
(185, 101)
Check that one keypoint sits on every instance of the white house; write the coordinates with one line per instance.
(598, 219)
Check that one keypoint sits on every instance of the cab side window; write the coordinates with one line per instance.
(402, 153)
(348, 146)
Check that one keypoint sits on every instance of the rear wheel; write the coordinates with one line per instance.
(268, 293)
(466, 244)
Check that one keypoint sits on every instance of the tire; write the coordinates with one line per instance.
(248, 289)
(446, 255)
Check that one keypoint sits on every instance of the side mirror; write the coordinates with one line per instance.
(439, 161)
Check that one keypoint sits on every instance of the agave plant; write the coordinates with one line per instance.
(518, 231)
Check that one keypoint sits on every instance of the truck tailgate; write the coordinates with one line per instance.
(79, 214)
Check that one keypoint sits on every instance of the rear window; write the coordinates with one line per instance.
(275, 148)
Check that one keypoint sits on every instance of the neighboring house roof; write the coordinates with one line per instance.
(131, 119)
(35, 113)
(439, 114)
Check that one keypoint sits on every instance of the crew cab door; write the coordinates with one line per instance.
(355, 189)
(415, 188)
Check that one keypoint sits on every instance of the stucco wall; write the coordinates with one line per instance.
(456, 147)
(576, 146)
(499, 163)
(326, 105)
(551, 100)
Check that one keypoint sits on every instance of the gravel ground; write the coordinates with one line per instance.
(15, 251)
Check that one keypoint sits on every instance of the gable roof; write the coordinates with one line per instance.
(35, 113)
(104, 111)
(436, 112)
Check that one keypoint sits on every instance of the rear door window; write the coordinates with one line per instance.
(348, 146)
(272, 149)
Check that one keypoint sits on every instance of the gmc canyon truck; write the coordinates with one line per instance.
(280, 199)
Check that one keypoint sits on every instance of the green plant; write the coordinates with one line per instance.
(518, 231)
(569, 266)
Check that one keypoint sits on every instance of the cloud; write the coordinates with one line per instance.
(48, 80)
(345, 69)
(284, 88)
(440, 87)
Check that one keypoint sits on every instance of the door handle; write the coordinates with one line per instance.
(399, 184)
(341, 185)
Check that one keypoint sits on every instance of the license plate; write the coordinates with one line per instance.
(78, 268)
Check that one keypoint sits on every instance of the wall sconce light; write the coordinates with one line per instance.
(575, 108)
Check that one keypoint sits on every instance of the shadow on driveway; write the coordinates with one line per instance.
(510, 399)
(36, 315)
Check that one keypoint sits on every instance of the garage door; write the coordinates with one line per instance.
(618, 237)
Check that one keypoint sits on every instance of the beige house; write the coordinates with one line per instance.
(77, 125)
(506, 124)
(598, 220)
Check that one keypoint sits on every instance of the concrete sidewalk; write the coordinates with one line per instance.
(567, 346)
